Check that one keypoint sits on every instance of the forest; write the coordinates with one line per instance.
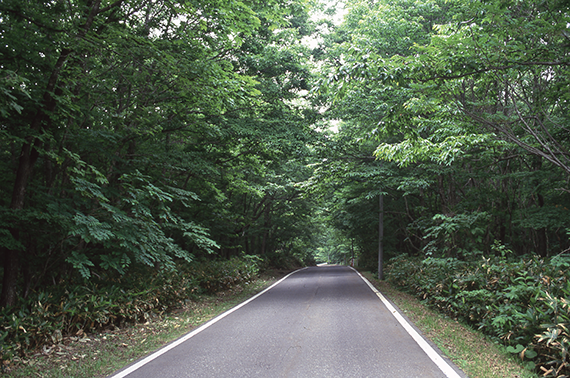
(153, 150)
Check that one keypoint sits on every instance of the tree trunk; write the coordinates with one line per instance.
(542, 238)
(266, 228)
(10, 278)
(28, 157)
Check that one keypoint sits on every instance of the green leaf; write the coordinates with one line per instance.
(80, 262)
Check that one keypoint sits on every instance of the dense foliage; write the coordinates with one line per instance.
(522, 302)
(44, 316)
(137, 138)
(145, 135)
(464, 112)
(142, 132)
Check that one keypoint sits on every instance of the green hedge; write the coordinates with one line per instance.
(523, 303)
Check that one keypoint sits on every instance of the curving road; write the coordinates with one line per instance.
(317, 322)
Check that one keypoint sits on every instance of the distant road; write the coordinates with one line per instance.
(318, 322)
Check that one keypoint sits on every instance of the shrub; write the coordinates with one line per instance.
(281, 260)
(214, 276)
(522, 303)
(74, 308)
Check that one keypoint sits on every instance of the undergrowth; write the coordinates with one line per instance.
(523, 302)
(76, 308)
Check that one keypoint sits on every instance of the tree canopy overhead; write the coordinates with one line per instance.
(152, 132)
(147, 131)
(464, 105)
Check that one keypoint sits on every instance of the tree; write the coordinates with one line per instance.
(459, 109)
(34, 26)
(487, 84)
(115, 115)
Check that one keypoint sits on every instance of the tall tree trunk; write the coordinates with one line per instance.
(10, 278)
(542, 238)
(11, 265)
(29, 155)
(266, 228)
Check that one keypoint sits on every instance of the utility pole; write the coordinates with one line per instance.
(380, 237)
(352, 250)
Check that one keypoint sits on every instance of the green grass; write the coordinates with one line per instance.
(470, 350)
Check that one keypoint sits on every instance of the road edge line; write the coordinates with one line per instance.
(188, 336)
(432, 354)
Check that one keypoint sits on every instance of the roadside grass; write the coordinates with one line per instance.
(470, 350)
(101, 354)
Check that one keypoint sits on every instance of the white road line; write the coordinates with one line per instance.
(432, 354)
(188, 336)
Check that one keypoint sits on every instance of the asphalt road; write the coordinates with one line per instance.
(317, 322)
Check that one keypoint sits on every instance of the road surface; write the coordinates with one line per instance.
(318, 322)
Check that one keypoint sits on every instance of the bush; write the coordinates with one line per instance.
(282, 260)
(522, 303)
(45, 316)
(214, 276)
